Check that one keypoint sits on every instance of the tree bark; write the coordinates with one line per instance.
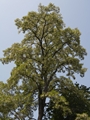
(41, 106)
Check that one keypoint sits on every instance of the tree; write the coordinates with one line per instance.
(48, 49)
(77, 103)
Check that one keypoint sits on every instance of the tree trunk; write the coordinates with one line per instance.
(41, 106)
(41, 109)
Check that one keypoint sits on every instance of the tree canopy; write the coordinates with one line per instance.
(48, 50)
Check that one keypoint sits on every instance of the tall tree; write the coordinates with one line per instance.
(48, 49)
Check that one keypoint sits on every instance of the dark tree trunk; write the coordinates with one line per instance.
(41, 109)
(41, 106)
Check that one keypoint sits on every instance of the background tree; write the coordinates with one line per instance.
(48, 49)
(77, 102)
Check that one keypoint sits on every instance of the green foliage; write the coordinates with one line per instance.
(48, 49)
(82, 117)
(77, 97)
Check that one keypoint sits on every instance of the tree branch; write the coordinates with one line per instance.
(59, 49)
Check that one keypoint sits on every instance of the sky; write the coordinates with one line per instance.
(75, 14)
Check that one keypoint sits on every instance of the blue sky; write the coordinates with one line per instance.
(75, 14)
